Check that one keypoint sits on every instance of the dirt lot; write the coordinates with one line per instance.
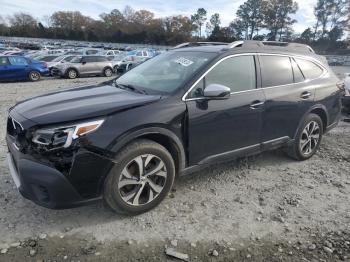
(265, 208)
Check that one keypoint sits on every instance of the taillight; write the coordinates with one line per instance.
(341, 86)
(45, 64)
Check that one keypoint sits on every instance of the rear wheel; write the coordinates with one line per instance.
(308, 138)
(72, 73)
(34, 76)
(141, 179)
(108, 72)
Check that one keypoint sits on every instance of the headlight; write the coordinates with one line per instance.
(58, 137)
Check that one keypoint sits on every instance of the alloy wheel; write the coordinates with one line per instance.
(310, 138)
(72, 74)
(142, 180)
(108, 72)
(34, 76)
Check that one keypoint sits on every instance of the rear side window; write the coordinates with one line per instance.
(309, 69)
(3, 61)
(90, 59)
(298, 76)
(276, 70)
(18, 60)
(101, 59)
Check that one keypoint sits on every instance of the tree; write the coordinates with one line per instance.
(277, 17)
(178, 29)
(23, 24)
(199, 19)
(251, 13)
(213, 27)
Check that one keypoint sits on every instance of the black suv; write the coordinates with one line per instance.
(126, 140)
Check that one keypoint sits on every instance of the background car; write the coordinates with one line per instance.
(60, 60)
(346, 98)
(83, 66)
(21, 68)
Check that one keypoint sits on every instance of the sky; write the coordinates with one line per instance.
(161, 8)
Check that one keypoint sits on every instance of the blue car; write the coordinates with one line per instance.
(21, 68)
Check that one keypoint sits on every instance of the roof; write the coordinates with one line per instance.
(247, 45)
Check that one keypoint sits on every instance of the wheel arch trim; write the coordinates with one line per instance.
(127, 138)
(311, 109)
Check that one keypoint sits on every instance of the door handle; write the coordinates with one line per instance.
(305, 95)
(256, 104)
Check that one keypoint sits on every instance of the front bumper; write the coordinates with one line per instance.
(48, 187)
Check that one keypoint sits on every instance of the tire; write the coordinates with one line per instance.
(72, 73)
(308, 138)
(125, 192)
(34, 76)
(108, 72)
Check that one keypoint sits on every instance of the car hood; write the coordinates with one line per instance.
(80, 103)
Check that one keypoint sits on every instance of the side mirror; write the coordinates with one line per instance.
(216, 91)
(83, 62)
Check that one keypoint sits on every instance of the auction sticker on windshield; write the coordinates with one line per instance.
(183, 61)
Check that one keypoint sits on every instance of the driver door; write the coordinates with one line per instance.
(220, 129)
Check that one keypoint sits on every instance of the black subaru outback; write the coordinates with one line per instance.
(126, 140)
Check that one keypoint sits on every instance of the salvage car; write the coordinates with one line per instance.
(125, 140)
(84, 66)
(21, 68)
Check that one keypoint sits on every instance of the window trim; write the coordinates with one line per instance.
(311, 59)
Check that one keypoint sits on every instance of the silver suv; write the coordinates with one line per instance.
(84, 66)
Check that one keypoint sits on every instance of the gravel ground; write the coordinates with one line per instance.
(263, 208)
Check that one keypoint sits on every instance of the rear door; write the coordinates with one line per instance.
(89, 65)
(222, 128)
(288, 97)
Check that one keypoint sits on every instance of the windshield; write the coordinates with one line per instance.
(166, 72)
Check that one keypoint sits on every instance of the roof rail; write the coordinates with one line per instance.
(189, 44)
(296, 47)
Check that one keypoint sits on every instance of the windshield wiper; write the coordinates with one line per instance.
(131, 87)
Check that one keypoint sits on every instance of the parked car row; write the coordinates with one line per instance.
(69, 63)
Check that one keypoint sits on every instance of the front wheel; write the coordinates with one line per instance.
(141, 178)
(34, 76)
(72, 73)
(308, 138)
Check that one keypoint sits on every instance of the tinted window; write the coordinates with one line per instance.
(276, 70)
(237, 73)
(91, 52)
(101, 59)
(309, 69)
(3, 61)
(90, 59)
(15, 60)
(298, 76)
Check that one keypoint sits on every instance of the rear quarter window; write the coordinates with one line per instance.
(3, 61)
(309, 69)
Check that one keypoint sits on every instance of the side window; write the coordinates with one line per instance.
(3, 61)
(309, 69)
(14, 60)
(89, 59)
(139, 54)
(276, 70)
(237, 73)
(298, 76)
(91, 52)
